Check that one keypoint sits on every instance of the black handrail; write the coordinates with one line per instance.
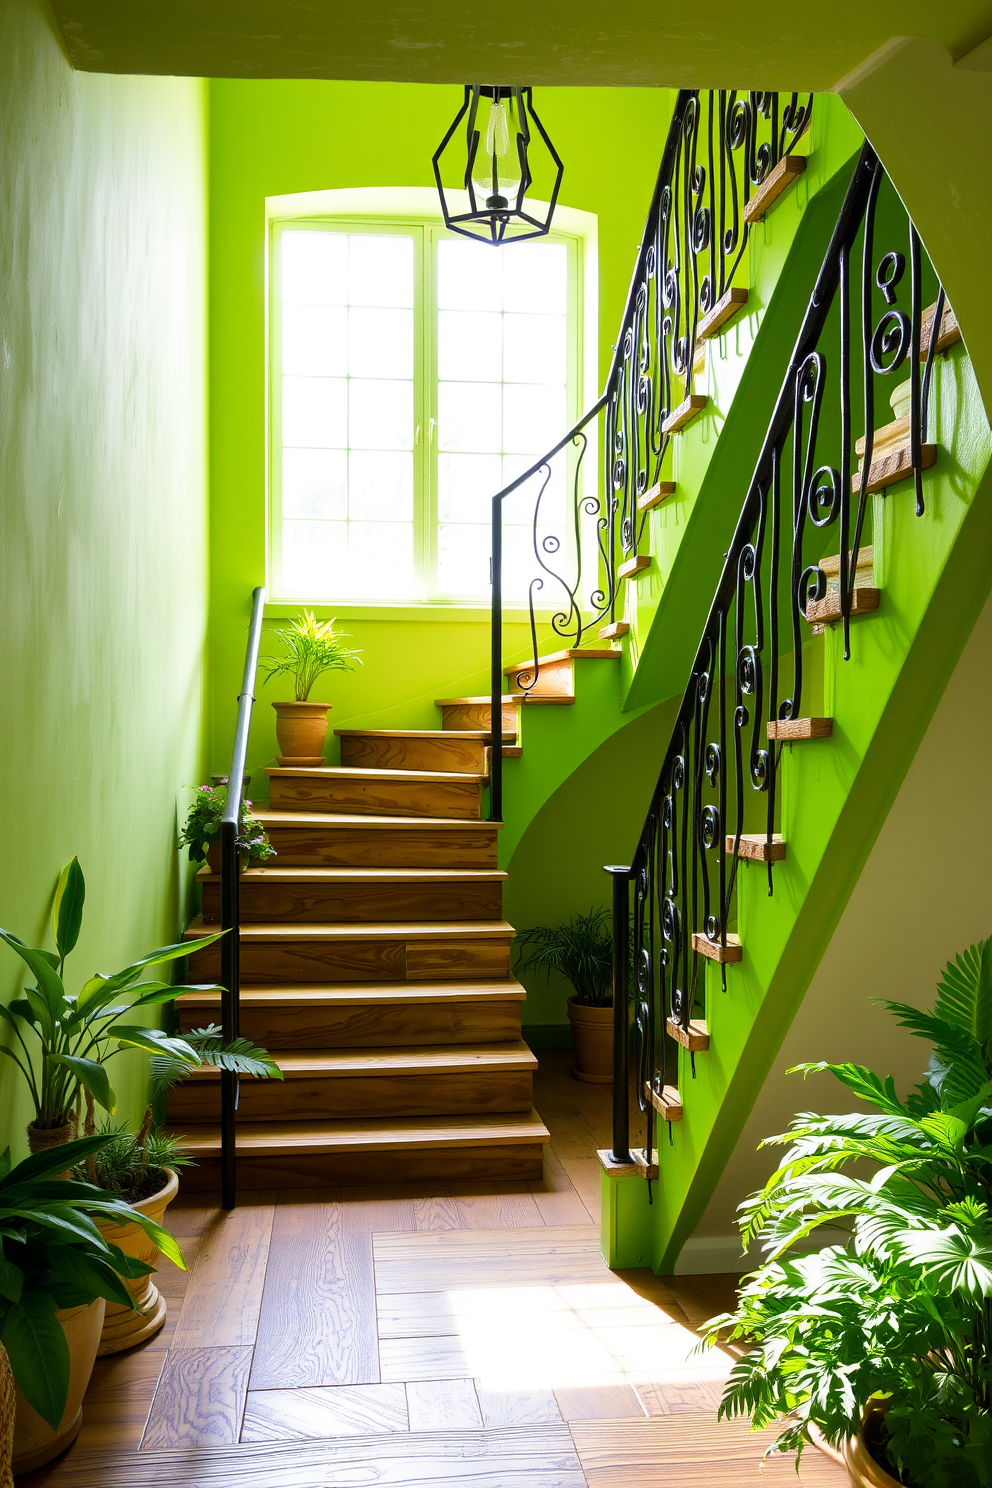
(230, 908)
(715, 157)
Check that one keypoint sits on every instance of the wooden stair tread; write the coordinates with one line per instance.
(364, 875)
(511, 697)
(425, 1059)
(368, 1134)
(360, 772)
(726, 955)
(584, 653)
(365, 994)
(483, 735)
(278, 816)
(457, 930)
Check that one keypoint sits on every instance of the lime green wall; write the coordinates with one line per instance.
(102, 495)
(274, 138)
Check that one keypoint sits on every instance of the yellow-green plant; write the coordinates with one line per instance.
(312, 647)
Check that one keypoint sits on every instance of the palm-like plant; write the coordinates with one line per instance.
(580, 950)
(312, 647)
(901, 1314)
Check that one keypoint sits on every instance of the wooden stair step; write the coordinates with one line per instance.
(725, 954)
(346, 839)
(451, 750)
(634, 567)
(827, 611)
(654, 496)
(324, 895)
(667, 1101)
(555, 672)
(430, 793)
(369, 953)
(398, 1013)
(695, 1038)
(428, 1080)
(794, 730)
(475, 713)
(615, 631)
(778, 179)
(756, 847)
(729, 304)
(687, 410)
(316, 1153)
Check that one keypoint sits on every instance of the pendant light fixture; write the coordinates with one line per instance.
(502, 131)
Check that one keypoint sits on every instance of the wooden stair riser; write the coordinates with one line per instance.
(313, 962)
(477, 716)
(523, 1162)
(268, 902)
(382, 847)
(378, 795)
(554, 678)
(399, 752)
(401, 1025)
(316, 1097)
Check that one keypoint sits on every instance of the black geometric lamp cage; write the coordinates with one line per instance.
(501, 132)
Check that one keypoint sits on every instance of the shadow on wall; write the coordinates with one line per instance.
(593, 819)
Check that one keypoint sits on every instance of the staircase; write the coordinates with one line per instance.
(375, 967)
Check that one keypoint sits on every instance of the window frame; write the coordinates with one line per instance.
(413, 212)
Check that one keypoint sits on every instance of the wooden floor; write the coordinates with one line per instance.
(467, 1334)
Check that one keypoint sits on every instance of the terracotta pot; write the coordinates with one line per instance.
(592, 1039)
(123, 1327)
(35, 1443)
(213, 859)
(301, 729)
(862, 1468)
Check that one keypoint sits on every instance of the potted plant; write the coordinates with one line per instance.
(581, 951)
(881, 1347)
(76, 1036)
(201, 834)
(311, 647)
(56, 1271)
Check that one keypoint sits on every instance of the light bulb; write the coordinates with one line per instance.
(496, 172)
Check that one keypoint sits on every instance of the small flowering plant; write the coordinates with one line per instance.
(202, 829)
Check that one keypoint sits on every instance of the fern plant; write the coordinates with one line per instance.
(311, 647)
(899, 1316)
(580, 950)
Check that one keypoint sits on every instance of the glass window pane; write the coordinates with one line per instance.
(315, 340)
(469, 346)
(534, 348)
(535, 277)
(315, 411)
(463, 559)
(380, 343)
(469, 276)
(521, 567)
(380, 269)
(534, 418)
(469, 416)
(466, 485)
(380, 486)
(381, 557)
(314, 483)
(381, 415)
(314, 268)
(314, 558)
(521, 505)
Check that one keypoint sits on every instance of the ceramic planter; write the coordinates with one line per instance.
(592, 1040)
(301, 729)
(213, 859)
(35, 1443)
(123, 1327)
(862, 1469)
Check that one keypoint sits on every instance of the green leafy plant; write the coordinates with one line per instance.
(202, 829)
(52, 1256)
(311, 648)
(897, 1320)
(580, 950)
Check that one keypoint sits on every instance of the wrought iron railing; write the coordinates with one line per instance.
(230, 905)
(721, 150)
(865, 322)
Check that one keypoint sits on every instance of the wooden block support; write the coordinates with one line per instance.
(684, 414)
(757, 849)
(827, 610)
(779, 179)
(894, 465)
(655, 495)
(667, 1101)
(695, 1038)
(866, 563)
(725, 955)
(613, 632)
(792, 730)
(638, 1168)
(949, 331)
(726, 307)
(634, 567)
